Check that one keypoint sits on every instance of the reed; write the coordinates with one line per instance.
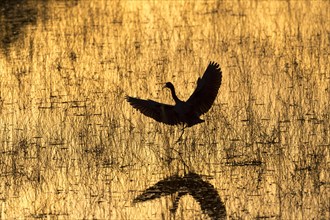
(71, 147)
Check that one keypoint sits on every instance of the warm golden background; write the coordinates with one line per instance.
(72, 147)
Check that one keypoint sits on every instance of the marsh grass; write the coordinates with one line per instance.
(71, 147)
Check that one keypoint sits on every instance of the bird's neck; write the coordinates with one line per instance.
(176, 99)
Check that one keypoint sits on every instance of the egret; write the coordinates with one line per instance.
(184, 112)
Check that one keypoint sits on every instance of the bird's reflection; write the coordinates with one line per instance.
(203, 192)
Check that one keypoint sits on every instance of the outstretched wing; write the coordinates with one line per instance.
(158, 111)
(207, 89)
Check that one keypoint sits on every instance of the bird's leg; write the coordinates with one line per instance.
(182, 131)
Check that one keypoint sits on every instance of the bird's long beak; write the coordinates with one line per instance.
(163, 87)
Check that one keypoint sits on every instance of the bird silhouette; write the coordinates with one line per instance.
(184, 112)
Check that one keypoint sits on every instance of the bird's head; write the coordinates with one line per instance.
(168, 85)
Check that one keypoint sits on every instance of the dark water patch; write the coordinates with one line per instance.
(16, 15)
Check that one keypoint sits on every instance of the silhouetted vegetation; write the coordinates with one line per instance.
(71, 147)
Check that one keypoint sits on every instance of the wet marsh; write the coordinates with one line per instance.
(72, 147)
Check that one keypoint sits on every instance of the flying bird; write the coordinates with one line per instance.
(184, 112)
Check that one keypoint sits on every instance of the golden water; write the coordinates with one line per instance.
(73, 148)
